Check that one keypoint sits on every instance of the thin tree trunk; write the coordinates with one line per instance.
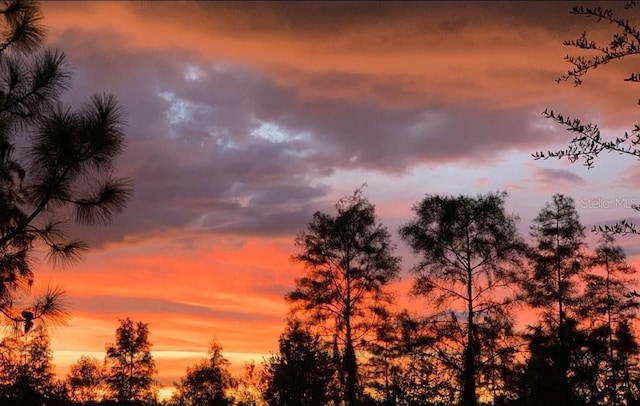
(627, 382)
(563, 358)
(468, 378)
(469, 372)
(387, 389)
(494, 390)
(130, 386)
(336, 395)
(351, 369)
(349, 363)
(612, 364)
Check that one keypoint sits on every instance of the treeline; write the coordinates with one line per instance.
(503, 321)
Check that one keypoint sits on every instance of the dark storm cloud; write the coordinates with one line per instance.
(190, 150)
(327, 19)
(221, 147)
(394, 140)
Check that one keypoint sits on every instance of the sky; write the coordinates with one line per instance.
(243, 119)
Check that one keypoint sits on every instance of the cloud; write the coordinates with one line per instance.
(100, 305)
(628, 178)
(555, 177)
(224, 148)
(490, 54)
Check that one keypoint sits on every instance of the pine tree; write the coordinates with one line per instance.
(349, 262)
(469, 252)
(130, 365)
(64, 173)
(605, 300)
(558, 264)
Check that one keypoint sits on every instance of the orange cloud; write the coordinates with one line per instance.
(424, 54)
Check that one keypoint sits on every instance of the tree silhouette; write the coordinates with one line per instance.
(50, 307)
(130, 365)
(349, 261)
(497, 364)
(606, 299)
(65, 173)
(249, 389)
(626, 347)
(409, 366)
(26, 372)
(382, 369)
(207, 383)
(301, 372)
(86, 380)
(469, 249)
(559, 262)
(546, 380)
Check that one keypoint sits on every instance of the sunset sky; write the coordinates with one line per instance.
(245, 118)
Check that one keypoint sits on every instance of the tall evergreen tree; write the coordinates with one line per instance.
(606, 300)
(469, 251)
(558, 264)
(130, 365)
(349, 261)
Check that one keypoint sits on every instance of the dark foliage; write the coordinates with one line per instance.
(469, 254)
(129, 364)
(207, 383)
(301, 372)
(349, 261)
